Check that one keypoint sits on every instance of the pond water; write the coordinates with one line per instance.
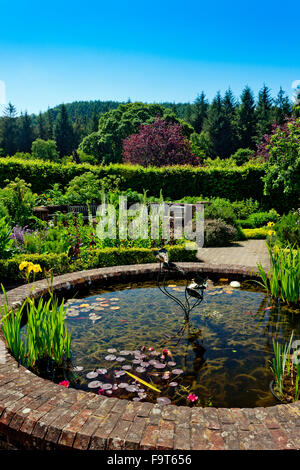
(221, 353)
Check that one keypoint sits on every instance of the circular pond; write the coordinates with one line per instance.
(221, 354)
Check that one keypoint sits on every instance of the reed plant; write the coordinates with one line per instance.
(46, 337)
(282, 281)
(286, 371)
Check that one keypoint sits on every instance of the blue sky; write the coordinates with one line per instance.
(61, 51)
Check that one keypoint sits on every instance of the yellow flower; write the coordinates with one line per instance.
(271, 232)
(23, 265)
(37, 268)
(270, 224)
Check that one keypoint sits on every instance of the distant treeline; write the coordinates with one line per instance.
(223, 125)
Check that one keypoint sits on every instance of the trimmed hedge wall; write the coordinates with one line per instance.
(256, 233)
(175, 181)
(9, 269)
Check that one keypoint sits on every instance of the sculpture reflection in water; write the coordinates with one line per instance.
(193, 296)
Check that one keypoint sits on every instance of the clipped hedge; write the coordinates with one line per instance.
(174, 181)
(256, 233)
(9, 268)
(61, 264)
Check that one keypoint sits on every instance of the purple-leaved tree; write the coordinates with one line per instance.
(160, 143)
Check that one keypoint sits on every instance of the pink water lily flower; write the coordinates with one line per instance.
(101, 391)
(192, 397)
(64, 383)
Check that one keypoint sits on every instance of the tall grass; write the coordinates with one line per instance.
(286, 370)
(283, 278)
(46, 338)
(281, 362)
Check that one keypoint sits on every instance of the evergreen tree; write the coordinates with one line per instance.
(188, 114)
(264, 113)
(200, 112)
(50, 124)
(9, 137)
(219, 129)
(283, 107)
(246, 120)
(26, 136)
(94, 122)
(63, 133)
(230, 107)
(42, 129)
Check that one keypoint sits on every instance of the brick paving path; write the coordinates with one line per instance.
(246, 253)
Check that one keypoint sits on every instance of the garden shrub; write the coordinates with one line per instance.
(242, 156)
(218, 233)
(19, 201)
(259, 219)
(222, 209)
(244, 208)
(6, 242)
(281, 150)
(288, 228)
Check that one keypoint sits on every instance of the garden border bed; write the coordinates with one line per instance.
(38, 414)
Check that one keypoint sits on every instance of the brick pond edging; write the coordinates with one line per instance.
(38, 414)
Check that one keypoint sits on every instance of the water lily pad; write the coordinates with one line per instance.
(95, 317)
(110, 357)
(177, 371)
(136, 361)
(123, 385)
(125, 353)
(107, 386)
(173, 384)
(159, 365)
(127, 367)
(95, 384)
(112, 350)
(142, 395)
(77, 368)
(120, 359)
(114, 308)
(131, 388)
(166, 376)
(140, 369)
(163, 401)
(136, 399)
(108, 392)
(144, 364)
(92, 375)
(172, 364)
(102, 371)
(119, 373)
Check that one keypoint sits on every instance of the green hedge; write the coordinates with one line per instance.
(175, 182)
(9, 269)
(256, 233)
